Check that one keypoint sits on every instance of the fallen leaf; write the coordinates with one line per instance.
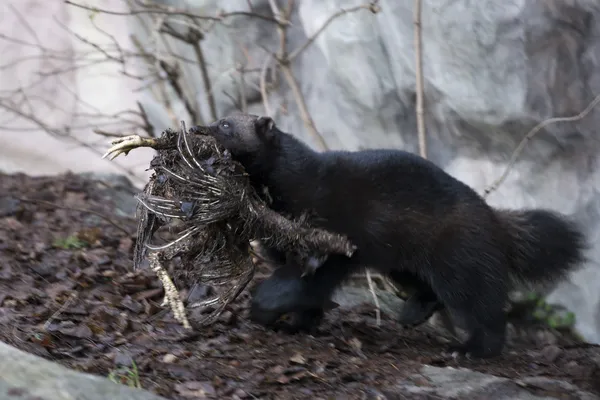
(196, 389)
(169, 358)
(298, 359)
(77, 331)
(149, 294)
(131, 305)
(296, 376)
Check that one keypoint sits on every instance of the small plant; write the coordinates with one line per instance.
(555, 317)
(69, 243)
(126, 376)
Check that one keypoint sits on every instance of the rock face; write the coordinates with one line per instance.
(25, 376)
(492, 70)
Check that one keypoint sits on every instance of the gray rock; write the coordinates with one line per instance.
(462, 383)
(349, 297)
(23, 375)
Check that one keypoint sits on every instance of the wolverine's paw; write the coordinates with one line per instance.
(125, 144)
(299, 322)
(290, 322)
(470, 351)
(416, 312)
(457, 350)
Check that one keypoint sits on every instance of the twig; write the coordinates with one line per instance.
(194, 38)
(445, 315)
(173, 79)
(284, 64)
(170, 11)
(299, 98)
(284, 61)
(62, 308)
(419, 80)
(107, 134)
(148, 127)
(515, 155)
(242, 91)
(263, 85)
(375, 299)
(372, 6)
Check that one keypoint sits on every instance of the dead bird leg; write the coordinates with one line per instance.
(172, 296)
(125, 144)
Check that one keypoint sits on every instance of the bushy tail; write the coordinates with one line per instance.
(545, 245)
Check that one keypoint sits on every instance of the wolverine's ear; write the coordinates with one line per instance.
(265, 128)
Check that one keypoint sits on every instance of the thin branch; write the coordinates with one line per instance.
(372, 6)
(148, 127)
(61, 134)
(170, 11)
(419, 80)
(283, 62)
(299, 98)
(242, 91)
(205, 79)
(67, 303)
(263, 85)
(173, 79)
(107, 134)
(515, 155)
(375, 298)
(194, 38)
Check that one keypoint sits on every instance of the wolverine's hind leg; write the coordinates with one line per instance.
(469, 276)
(422, 302)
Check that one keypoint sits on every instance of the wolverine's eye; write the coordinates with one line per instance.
(225, 125)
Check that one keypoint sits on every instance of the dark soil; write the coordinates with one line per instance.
(68, 293)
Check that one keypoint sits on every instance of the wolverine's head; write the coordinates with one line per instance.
(244, 135)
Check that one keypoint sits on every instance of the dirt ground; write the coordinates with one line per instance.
(67, 293)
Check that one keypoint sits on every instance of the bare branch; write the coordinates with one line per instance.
(419, 80)
(286, 68)
(372, 6)
(375, 298)
(173, 79)
(148, 127)
(205, 79)
(194, 38)
(515, 155)
(263, 85)
(107, 134)
(171, 11)
(299, 98)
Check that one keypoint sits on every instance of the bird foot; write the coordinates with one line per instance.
(125, 144)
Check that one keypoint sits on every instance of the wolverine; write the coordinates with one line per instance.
(409, 220)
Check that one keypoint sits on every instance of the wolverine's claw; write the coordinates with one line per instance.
(125, 144)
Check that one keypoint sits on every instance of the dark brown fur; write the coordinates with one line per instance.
(410, 220)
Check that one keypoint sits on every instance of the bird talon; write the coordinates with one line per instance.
(125, 144)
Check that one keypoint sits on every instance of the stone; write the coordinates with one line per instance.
(23, 374)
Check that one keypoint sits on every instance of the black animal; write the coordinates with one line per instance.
(410, 220)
